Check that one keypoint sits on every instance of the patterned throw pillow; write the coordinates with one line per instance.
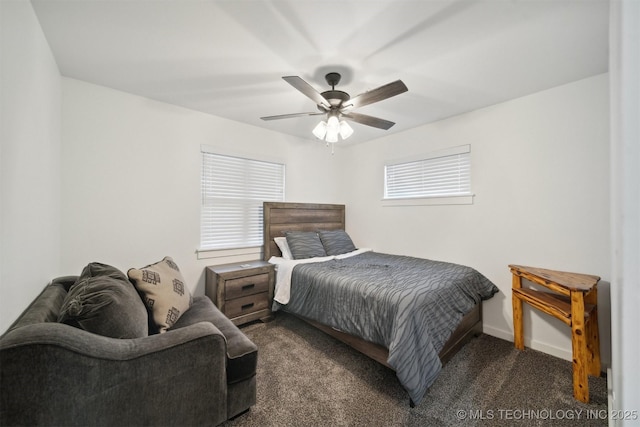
(163, 290)
(305, 244)
(336, 242)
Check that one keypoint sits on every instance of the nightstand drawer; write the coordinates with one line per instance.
(246, 305)
(245, 286)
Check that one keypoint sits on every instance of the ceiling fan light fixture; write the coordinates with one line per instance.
(329, 130)
(320, 130)
(333, 127)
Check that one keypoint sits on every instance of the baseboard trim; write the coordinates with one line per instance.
(561, 353)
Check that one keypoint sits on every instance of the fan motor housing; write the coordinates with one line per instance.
(335, 97)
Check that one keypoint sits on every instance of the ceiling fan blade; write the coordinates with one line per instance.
(289, 116)
(378, 94)
(369, 120)
(307, 90)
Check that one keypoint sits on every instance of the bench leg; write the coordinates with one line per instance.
(593, 335)
(579, 348)
(518, 329)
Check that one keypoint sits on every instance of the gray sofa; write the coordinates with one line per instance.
(200, 372)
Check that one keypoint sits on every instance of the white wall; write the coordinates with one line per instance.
(131, 177)
(540, 175)
(29, 161)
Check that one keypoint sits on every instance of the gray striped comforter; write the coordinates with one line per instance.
(409, 305)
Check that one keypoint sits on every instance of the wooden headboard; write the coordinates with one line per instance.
(280, 217)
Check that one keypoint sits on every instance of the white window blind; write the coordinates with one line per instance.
(441, 174)
(233, 190)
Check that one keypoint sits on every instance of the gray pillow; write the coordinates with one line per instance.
(104, 302)
(336, 242)
(305, 244)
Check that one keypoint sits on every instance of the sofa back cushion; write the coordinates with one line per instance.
(104, 302)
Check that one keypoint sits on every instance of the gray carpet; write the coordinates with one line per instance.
(306, 378)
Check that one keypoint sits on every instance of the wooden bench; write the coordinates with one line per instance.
(573, 298)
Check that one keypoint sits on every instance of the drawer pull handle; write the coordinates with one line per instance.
(249, 286)
(246, 306)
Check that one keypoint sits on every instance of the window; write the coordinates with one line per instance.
(444, 174)
(233, 189)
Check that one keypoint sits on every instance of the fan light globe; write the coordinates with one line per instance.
(333, 123)
(345, 130)
(332, 135)
(320, 130)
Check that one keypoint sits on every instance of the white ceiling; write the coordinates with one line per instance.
(227, 58)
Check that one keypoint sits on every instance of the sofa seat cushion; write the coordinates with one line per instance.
(242, 353)
(104, 302)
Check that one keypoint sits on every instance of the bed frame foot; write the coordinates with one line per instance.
(411, 404)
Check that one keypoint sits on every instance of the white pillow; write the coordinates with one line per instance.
(284, 247)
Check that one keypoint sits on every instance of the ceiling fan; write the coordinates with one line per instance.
(338, 105)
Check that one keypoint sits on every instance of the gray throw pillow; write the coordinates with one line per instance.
(336, 242)
(103, 301)
(305, 244)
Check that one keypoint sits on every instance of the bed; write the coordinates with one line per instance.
(377, 303)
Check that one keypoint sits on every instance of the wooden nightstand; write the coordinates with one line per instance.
(242, 291)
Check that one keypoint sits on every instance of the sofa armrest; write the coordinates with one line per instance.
(242, 353)
(55, 374)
